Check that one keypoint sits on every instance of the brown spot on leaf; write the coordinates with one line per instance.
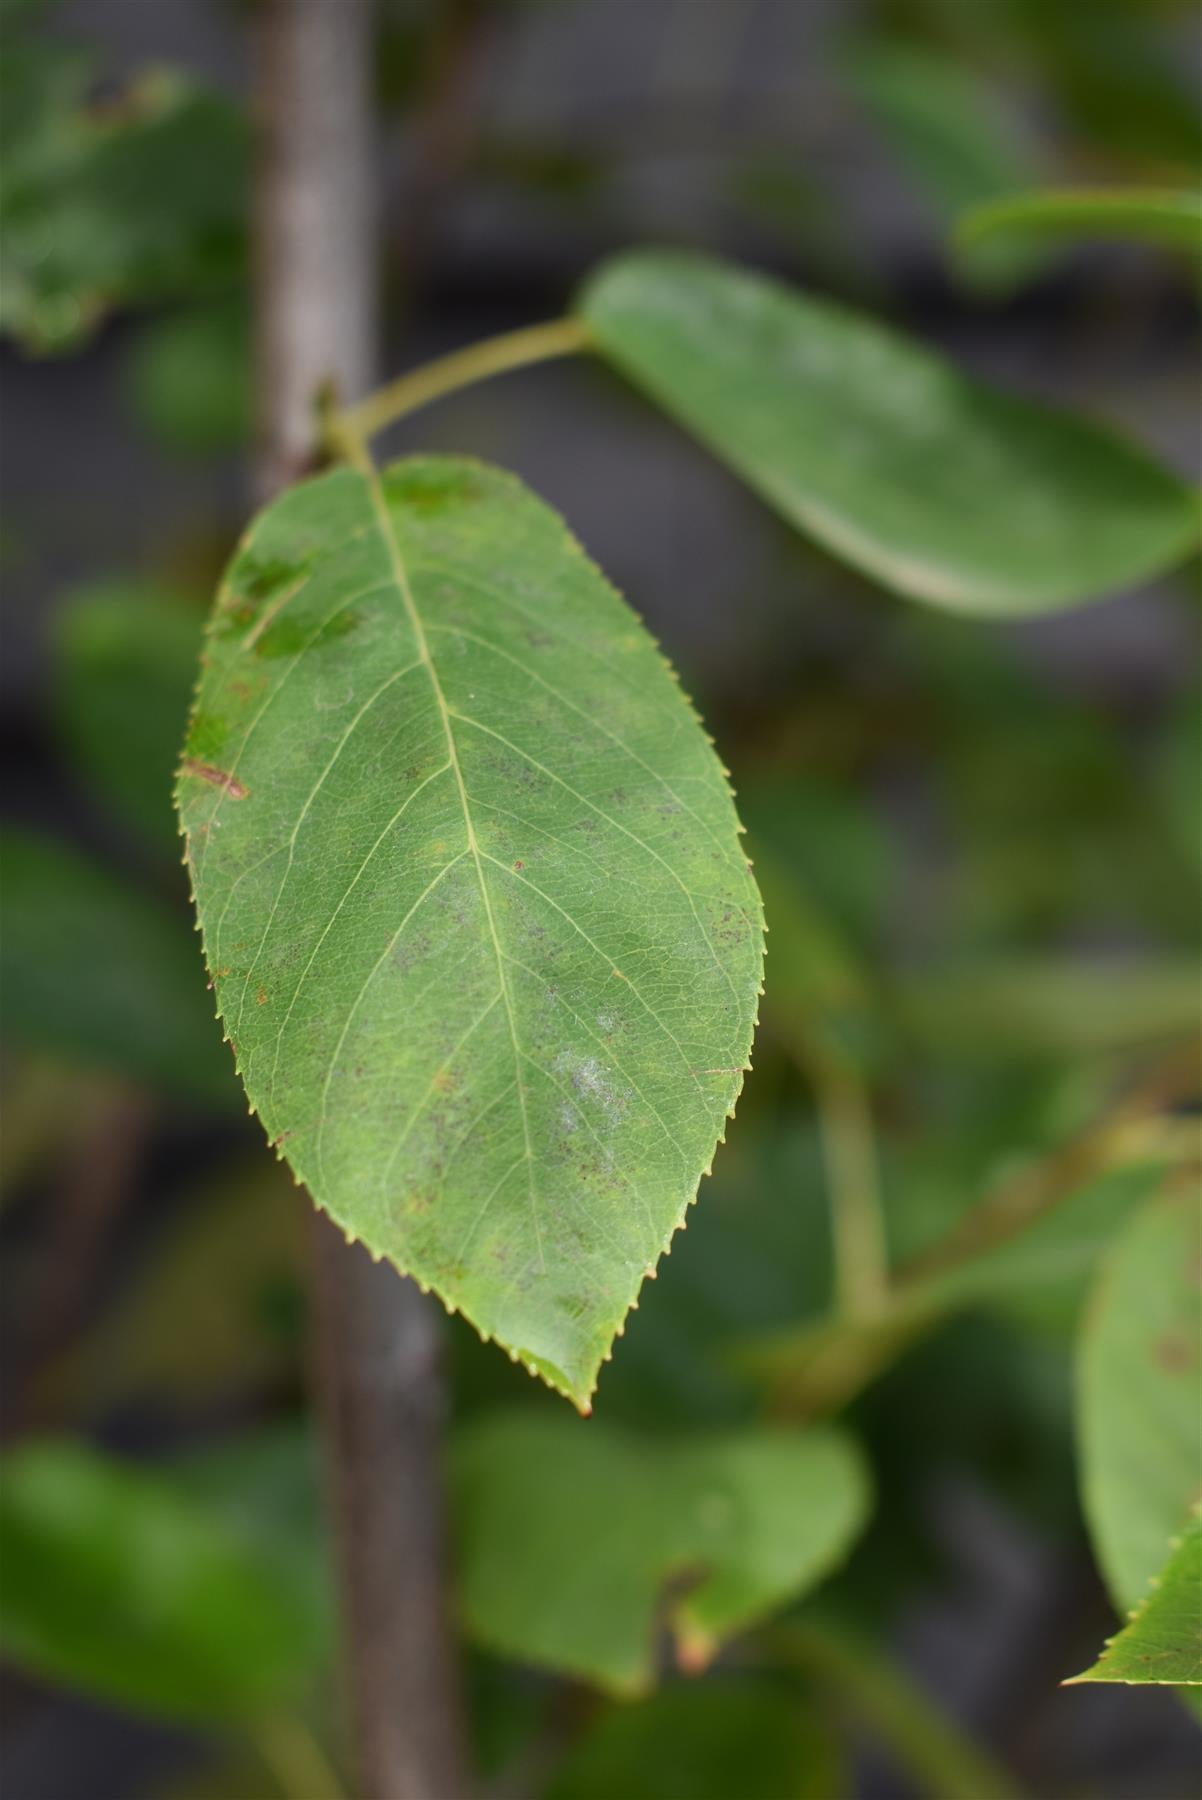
(261, 997)
(1174, 1353)
(229, 784)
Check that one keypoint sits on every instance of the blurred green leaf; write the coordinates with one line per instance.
(1110, 73)
(1164, 218)
(705, 1740)
(1162, 1642)
(134, 199)
(115, 1580)
(946, 124)
(1181, 776)
(188, 378)
(943, 489)
(820, 994)
(1138, 1418)
(826, 837)
(232, 1266)
(126, 669)
(97, 972)
(1120, 79)
(1020, 764)
(711, 1532)
(263, 1487)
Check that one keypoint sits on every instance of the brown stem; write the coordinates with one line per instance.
(315, 229)
(379, 1349)
(377, 1339)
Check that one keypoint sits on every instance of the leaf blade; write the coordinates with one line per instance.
(121, 1581)
(96, 971)
(1167, 218)
(502, 913)
(934, 485)
(754, 1517)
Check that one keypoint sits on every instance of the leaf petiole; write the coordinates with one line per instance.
(462, 368)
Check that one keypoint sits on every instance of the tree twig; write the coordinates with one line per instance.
(377, 1338)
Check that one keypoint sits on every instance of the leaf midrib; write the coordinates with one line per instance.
(397, 565)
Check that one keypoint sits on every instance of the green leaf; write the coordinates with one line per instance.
(821, 994)
(931, 483)
(231, 1264)
(1139, 1422)
(126, 670)
(117, 1580)
(96, 971)
(710, 1534)
(1167, 218)
(474, 903)
(1180, 776)
(1162, 1643)
(945, 122)
(705, 1740)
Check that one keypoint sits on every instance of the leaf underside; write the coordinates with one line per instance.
(480, 927)
(935, 485)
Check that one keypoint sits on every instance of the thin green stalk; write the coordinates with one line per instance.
(927, 1746)
(849, 1155)
(1018, 1204)
(494, 356)
(296, 1759)
(820, 1368)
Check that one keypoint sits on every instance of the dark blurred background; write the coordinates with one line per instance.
(989, 834)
